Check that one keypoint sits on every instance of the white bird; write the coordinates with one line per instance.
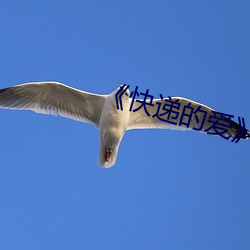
(101, 110)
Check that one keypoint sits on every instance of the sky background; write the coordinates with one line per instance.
(168, 189)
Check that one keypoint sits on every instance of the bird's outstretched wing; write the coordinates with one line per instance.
(54, 98)
(196, 116)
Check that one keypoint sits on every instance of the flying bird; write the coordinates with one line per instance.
(112, 120)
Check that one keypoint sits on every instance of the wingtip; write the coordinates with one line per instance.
(237, 128)
(3, 90)
(248, 134)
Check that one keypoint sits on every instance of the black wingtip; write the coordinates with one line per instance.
(3, 90)
(237, 128)
(247, 134)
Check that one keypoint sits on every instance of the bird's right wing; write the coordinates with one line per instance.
(201, 119)
(54, 98)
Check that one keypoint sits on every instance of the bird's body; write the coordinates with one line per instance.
(113, 125)
(102, 111)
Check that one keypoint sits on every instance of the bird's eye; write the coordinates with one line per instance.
(126, 93)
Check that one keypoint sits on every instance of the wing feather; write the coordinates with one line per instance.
(55, 99)
(140, 120)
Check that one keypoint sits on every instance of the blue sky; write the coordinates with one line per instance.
(169, 189)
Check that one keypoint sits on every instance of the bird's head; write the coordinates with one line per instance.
(122, 88)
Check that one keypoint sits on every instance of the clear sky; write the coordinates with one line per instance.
(168, 189)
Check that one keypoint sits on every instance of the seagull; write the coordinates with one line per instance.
(104, 113)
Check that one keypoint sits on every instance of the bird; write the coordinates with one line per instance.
(112, 120)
